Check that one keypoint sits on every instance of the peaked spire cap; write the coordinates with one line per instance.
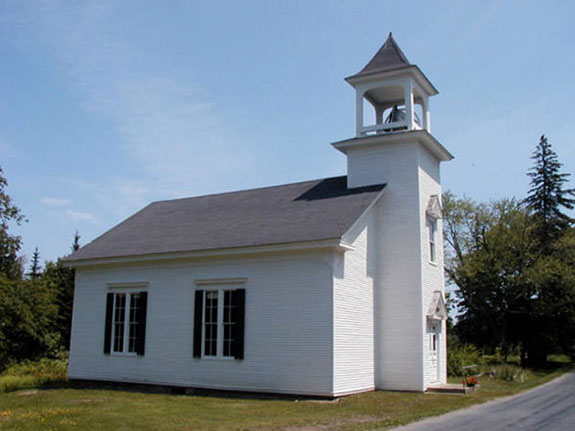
(389, 56)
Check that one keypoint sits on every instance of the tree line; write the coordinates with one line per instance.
(512, 262)
(35, 305)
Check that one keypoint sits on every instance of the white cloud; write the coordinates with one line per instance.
(55, 202)
(81, 216)
(116, 198)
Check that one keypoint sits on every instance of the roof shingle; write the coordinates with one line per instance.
(389, 56)
(306, 211)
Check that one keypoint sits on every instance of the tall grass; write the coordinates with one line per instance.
(29, 375)
(511, 373)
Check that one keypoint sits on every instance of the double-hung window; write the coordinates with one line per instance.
(211, 317)
(125, 329)
(219, 323)
(431, 233)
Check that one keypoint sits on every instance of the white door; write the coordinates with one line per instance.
(434, 332)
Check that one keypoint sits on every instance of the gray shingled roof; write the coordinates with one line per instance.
(389, 56)
(306, 211)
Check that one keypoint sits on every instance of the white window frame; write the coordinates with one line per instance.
(126, 340)
(220, 322)
(431, 224)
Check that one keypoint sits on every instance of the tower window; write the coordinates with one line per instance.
(431, 232)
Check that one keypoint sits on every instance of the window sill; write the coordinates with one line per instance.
(217, 358)
(124, 355)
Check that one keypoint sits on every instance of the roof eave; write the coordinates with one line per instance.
(334, 244)
(412, 69)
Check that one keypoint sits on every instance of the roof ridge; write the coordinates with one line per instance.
(397, 48)
(248, 190)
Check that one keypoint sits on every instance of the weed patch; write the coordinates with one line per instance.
(29, 375)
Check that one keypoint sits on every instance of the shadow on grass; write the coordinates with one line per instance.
(19, 383)
(190, 391)
(554, 365)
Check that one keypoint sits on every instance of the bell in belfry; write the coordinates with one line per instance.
(397, 114)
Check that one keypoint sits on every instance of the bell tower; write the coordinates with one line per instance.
(399, 93)
(395, 88)
(398, 150)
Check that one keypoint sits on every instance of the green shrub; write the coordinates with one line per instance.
(28, 374)
(463, 355)
(28, 311)
(561, 359)
(510, 373)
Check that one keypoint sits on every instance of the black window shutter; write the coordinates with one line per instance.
(239, 299)
(141, 314)
(108, 328)
(198, 314)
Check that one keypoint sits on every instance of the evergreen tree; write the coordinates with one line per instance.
(76, 243)
(551, 323)
(10, 262)
(548, 197)
(61, 279)
(35, 265)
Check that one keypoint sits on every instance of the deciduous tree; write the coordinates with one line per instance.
(490, 247)
(10, 261)
(28, 311)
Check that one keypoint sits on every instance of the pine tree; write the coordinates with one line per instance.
(35, 265)
(61, 279)
(76, 243)
(548, 197)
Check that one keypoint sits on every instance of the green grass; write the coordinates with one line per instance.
(89, 409)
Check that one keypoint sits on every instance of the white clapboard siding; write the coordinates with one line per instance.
(398, 291)
(353, 312)
(288, 325)
(432, 273)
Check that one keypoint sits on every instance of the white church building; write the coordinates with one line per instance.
(327, 287)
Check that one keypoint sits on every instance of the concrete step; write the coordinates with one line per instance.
(450, 388)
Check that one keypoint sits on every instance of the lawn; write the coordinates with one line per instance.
(99, 409)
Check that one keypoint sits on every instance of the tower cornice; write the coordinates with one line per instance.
(397, 72)
(422, 136)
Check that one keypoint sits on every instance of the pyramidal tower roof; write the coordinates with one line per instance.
(389, 56)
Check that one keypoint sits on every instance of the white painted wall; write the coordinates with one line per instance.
(288, 327)
(397, 285)
(353, 311)
(431, 273)
(403, 280)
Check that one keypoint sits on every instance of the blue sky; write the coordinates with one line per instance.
(108, 105)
